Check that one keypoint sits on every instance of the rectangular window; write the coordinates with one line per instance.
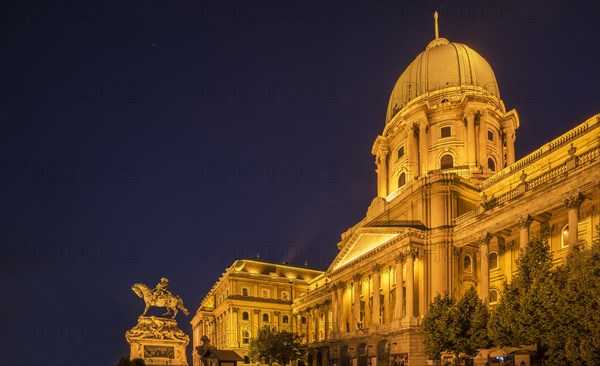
(245, 291)
(490, 135)
(445, 131)
(400, 152)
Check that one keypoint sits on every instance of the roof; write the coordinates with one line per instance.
(442, 65)
(222, 355)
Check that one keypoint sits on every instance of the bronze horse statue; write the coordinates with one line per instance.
(169, 301)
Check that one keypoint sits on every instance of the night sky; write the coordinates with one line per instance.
(150, 139)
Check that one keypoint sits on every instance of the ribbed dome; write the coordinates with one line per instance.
(441, 65)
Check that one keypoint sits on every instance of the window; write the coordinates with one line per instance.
(285, 295)
(491, 164)
(285, 319)
(467, 264)
(245, 337)
(493, 296)
(490, 135)
(246, 359)
(245, 316)
(445, 100)
(493, 260)
(265, 293)
(564, 236)
(400, 152)
(303, 320)
(445, 131)
(447, 162)
(265, 317)
(401, 179)
(245, 291)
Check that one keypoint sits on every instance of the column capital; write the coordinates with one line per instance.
(256, 311)
(524, 221)
(356, 277)
(413, 253)
(574, 201)
(399, 257)
(457, 251)
(485, 237)
(376, 268)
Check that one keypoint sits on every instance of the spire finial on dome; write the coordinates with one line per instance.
(435, 19)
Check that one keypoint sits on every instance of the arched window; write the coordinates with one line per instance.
(491, 164)
(265, 317)
(285, 319)
(401, 179)
(493, 296)
(564, 236)
(445, 100)
(245, 336)
(446, 162)
(467, 264)
(493, 260)
(490, 135)
(245, 316)
(303, 320)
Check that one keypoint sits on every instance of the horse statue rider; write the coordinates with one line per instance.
(160, 297)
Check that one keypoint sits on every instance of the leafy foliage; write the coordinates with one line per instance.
(523, 314)
(458, 327)
(271, 346)
(557, 308)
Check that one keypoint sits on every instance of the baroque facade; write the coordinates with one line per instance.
(453, 209)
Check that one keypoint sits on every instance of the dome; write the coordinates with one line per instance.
(443, 64)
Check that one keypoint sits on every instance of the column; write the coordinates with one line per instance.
(326, 333)
(509, 135)
(484, 251)
(422, 282)
(423, 154)
(399, 258)
(382, 172)
(483, 141)
(376, 268)
(410, 284)
(573, 203)
(341, 318)
(412, 153)
(471, 142)
(356, 314)
(334, 308)
(524, 223)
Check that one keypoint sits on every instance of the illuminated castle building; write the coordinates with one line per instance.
(453, 208)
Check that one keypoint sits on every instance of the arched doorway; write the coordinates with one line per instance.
(362, 354)
(383, 353)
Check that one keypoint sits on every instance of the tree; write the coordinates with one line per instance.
(524, 314)
(457, 327)
(271, 346)
(575, 339)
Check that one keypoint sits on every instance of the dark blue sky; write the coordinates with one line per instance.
(150, 139)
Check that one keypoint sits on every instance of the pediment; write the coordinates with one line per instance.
(364, 241)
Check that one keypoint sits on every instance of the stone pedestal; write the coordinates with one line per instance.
(158, 341)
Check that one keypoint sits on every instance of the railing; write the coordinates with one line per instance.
(546, 177)
(551, 146)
